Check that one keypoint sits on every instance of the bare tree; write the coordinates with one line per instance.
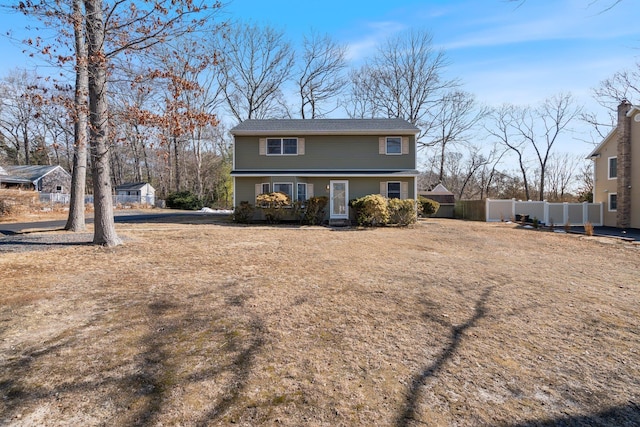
(320, 75)
(541, 128)
(19, 113)
(561, 173)
(453, 118)
(403, 79)
(502, 128)
(585, 182)
(604, 5)
(623, 85)
(255, 62)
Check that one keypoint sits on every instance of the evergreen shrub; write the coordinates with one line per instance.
(402, 211)
(184, 200)
(427, 207)
(243, 213)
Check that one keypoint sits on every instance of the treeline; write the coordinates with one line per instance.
(170, 107)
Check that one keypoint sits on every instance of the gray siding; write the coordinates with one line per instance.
(325, 152)
(358, 187)
(57, 177)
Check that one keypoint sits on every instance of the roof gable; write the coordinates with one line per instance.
(439, 189)
(131, 186)
(30, 173)
(611, 136)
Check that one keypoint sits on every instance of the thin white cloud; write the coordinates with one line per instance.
(538, 22)
(373, 34)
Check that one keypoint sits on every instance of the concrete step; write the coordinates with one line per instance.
(339, 223)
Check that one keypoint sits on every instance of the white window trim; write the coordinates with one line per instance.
(609, 167)
(609, 202)
(386, 146)
(282, 153)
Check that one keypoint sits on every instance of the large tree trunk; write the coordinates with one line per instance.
(76, 219)
(104, 231)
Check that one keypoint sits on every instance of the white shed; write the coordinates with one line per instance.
(138, 192)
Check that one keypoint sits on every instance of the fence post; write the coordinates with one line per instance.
(513, 209)
(486, 210)
(601, 213)
(565, 213)
(585, 213)
(546, 213)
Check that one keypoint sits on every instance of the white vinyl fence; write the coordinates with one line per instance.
(117, 200)
(574, 214)
(55, 198)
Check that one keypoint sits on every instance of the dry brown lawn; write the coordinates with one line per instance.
(447, 323)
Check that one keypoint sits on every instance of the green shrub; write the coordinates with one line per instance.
(371, 210)
(184, 200)
(427, 207)
(313, 211)
(273, 205)
(402, 211)
(243, 213)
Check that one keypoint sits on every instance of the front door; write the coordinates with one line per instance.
(339, 198)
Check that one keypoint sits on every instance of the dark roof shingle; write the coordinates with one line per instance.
(324, 127)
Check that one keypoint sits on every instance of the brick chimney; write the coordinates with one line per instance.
(623, 216)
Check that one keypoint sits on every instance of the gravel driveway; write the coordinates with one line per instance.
(42, 241)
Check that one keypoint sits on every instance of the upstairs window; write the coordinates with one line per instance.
(282, 146)
(613, 167)
(394, 145)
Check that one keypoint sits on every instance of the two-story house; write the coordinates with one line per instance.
(342, 159)
(617, 172)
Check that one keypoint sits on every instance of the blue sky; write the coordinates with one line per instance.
(502, 52)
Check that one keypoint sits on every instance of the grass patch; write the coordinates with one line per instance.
(445, 323)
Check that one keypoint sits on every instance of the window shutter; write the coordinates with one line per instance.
(405, 145)
(383, 188)
(258, 190)
(404, 190)
(309, 191)
(263, 146)
(382, 142)
(300, 146)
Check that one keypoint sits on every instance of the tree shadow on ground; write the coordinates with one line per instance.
(409, 411)
(155, 370)
(619, 416)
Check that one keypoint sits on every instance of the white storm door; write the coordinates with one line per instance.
(339, 199)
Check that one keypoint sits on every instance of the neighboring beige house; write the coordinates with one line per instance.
(617, 172)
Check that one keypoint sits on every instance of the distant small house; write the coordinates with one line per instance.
(46, 179)
(443, 196)
(138, 192)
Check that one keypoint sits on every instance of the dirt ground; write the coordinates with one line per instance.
(447, 323)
